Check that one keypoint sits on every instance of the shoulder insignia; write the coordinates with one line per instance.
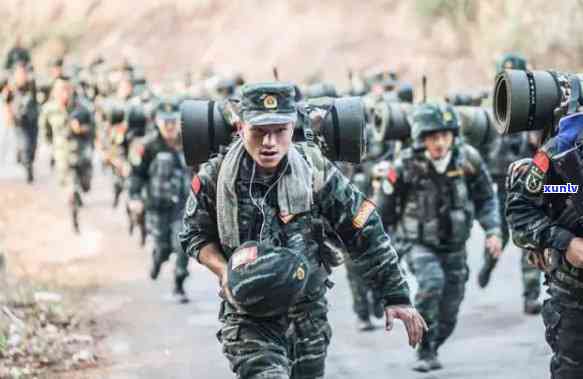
(196, 184)
(364, 212)
(541, 160)
(454, 173)
(392, 175)
(300, 273)
(243, 257)
(534, 179)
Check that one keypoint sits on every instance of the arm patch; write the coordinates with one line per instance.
(364, 212)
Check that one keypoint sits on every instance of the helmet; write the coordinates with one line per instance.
(266, 280)
(513, 61)
(432, 117)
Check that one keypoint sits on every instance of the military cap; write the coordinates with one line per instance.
(168, 109)
(266, 280)
(432, 117)
(512, 61)
(268, 103)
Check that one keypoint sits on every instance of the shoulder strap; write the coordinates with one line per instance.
(316, 161)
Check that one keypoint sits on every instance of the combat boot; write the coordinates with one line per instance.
(178, 292)
(363, 324)
(426, 362)
(156, 265)
(532, 306)
(29, 174)
(484, 275)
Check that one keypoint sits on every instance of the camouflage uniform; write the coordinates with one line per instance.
(159, 174)
(546, 223)
(507, 150)
(435, 212)
(26, 112)
(294, 344)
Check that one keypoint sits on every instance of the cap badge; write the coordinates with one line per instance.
(270, 102)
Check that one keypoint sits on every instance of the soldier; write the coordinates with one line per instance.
(17, 54)
(548, 225)
(159, 170)
(71, 126)
(508, 149)
(439, 186)
(268, 190)
(21, 111)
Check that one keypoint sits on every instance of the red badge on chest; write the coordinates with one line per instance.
(195, 185)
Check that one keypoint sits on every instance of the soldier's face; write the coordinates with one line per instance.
(438, 143)
(267, 144)
(169, 128)
(20, 75)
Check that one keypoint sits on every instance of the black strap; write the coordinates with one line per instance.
(336, 128)
(488, 127)
(531, 100)
(211, 124)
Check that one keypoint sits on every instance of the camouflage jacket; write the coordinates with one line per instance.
(24, 105)
(438, 210)
(161, 171)
(352, 217)
(541, 221)
(69, 149)
(505, 150)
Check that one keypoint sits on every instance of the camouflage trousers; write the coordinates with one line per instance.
(288, 346)
(163, 228)
(442, 279)
(26, 139)
(531, 276)
(364, 299)
(563, 318)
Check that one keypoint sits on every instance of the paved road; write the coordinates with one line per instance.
(148, 336)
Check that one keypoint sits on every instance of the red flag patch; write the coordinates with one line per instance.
(392, 175)
(195, 185)
(541, 160)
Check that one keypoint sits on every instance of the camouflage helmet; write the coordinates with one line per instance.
(433, 117)
(266, 280)
(513, 61)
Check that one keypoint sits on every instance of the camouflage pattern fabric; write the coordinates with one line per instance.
(442, 279)
(437, 210)
(163, 218)
(72, 154)
(547, 223)
(355, 221)
(288, 346)
(26, 113)
(163, 228)
(531, 276)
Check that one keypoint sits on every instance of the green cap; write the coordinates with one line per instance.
(431, 117)
(168, 109)
(268, 103)
(512, 61)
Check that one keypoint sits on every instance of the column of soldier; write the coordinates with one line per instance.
(430, 169)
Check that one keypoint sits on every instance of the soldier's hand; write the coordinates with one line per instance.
(494, 246)
(414, 322)
(136, 206)
(574, 252)
(224, 292)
